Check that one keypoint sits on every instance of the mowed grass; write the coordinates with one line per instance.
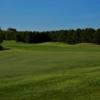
(49, 71)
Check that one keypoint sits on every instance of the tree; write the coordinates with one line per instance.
(12, 30)
(1, 39)
(10, 34)
(97, 36)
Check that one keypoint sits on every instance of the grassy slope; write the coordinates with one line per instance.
(50, 71)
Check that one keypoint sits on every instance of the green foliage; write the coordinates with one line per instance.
(88, 35)
(1, 36)
(1, 48)
(97, 36)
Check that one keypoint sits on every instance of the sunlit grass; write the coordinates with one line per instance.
(49, 71)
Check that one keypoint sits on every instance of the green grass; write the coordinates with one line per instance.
(49, 71)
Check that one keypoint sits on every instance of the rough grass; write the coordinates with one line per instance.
(49, 71)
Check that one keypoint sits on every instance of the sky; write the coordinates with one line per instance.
(42, 15)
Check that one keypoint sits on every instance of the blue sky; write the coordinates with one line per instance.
(49, 14)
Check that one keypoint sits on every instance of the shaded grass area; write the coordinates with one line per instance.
(50, 71)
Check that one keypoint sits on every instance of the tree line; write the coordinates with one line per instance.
(71, 36)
